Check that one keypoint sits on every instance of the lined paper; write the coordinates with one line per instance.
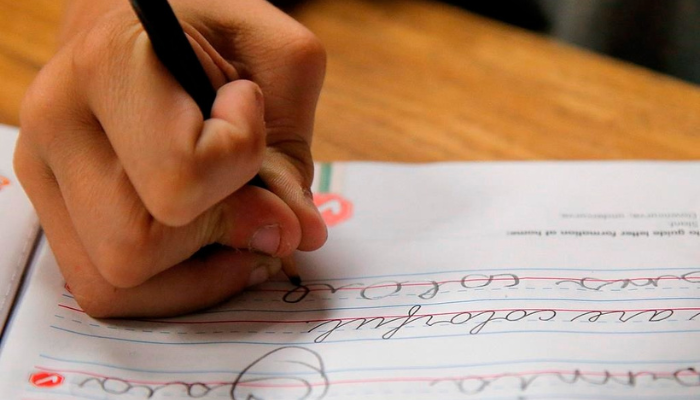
(449, 281)
(19, 225)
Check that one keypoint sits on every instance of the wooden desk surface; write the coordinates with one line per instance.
(412, 80)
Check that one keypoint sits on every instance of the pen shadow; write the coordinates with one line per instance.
(273, 313)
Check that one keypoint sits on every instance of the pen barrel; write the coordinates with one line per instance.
(175, 52)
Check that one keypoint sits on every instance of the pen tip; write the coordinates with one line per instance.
(295, 280)
(290, 269)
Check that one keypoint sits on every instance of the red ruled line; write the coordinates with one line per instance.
(564, 373)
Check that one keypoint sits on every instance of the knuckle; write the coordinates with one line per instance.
(103, 45)
(36, 103)
(96, 297)
(92, 53)
(306, 51)
(123, 260)
(170, 195)
(31, 171)
(21, 164)
(248, 140)
(252, 145)
(99, 304)
(41, 103)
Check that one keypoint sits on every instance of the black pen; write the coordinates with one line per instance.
(174, 51)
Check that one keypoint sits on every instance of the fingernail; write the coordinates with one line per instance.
(264, 271)
(266, 240)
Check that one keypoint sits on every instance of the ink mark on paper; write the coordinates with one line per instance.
(474, 322)
(425, 290)
(291, 372)
(598, 284)
(475, 384)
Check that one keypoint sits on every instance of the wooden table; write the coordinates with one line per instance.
(412, 80)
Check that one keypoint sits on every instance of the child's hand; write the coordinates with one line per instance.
(130, 183)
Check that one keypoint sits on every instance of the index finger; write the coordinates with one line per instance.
(179, 165)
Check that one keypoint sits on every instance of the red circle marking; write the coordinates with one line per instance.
(4, 182)
(334, 208)
(46, 379)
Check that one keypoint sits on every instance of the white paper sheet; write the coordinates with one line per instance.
(18, 225)
(446, 281)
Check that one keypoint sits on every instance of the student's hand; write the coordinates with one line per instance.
(130, 183)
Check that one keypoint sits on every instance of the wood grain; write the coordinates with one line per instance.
(28, 29)
(415, 81)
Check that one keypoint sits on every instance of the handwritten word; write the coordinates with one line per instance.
(470, 385)
(304, 379)
(425, 290)
(476, 321)
(430, 289)
(597, 284)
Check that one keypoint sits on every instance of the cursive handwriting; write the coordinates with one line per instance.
(304, 379)
(425, 290)
(430, 289)
(597, 284)
(475, 322)
(471, 385)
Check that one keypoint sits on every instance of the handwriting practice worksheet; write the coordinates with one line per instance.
(440, 281)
